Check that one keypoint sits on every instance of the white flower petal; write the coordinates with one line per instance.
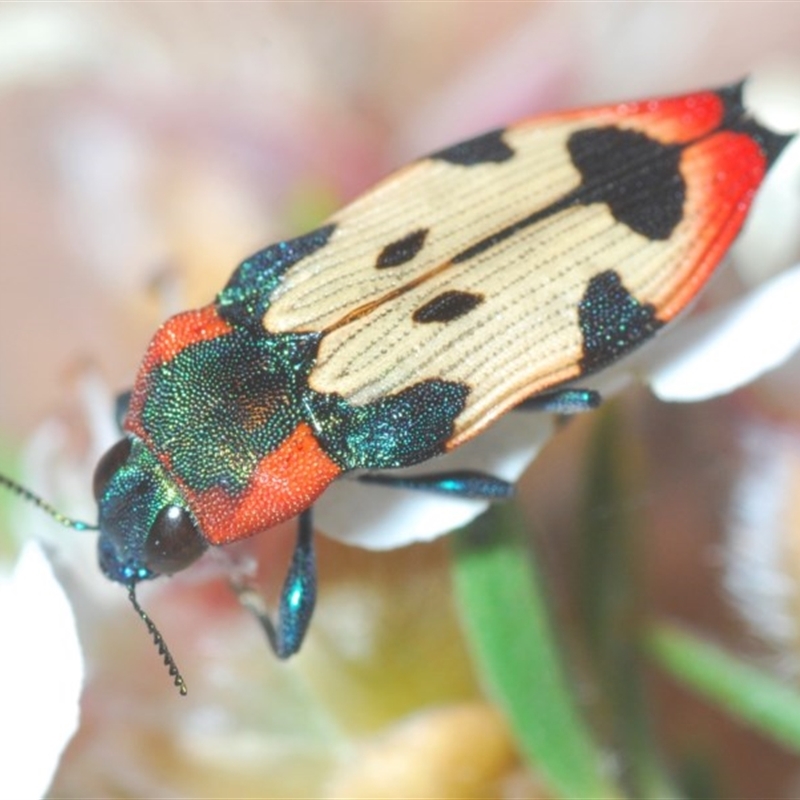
(380, 518)
(771, 94)
(42, 44)
(758, 551)
(718, 352)
(41, 676)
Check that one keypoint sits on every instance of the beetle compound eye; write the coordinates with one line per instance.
(108, 465)
(173, 542)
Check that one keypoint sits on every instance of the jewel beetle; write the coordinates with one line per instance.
(488, 276)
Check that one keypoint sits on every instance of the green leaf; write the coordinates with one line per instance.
(612, 602)
(746, 692)
(510, 633)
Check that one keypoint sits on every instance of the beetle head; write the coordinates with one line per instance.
(146, 528)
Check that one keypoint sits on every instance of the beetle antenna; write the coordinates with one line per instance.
(158, 639)
(27, 494)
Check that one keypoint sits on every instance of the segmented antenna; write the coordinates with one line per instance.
(158, 639)
(63, 519)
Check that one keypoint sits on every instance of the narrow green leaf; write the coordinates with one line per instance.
(612, 603)
(510, 633)
(747, 693)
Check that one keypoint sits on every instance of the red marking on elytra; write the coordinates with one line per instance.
(671, 120)
(722, 173)
(674, 120)
(285, 482)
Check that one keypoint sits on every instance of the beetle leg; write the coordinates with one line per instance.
(468, 484)
(121, 403)
(298, 595)
(562, 401)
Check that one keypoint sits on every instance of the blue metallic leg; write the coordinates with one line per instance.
(468, 484)
(298, 596)
(563, 401)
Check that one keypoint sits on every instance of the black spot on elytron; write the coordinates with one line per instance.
(486, 149)
(447, 306)
(612, 321)
(637, 177)
(402, 250)
(634, 175)
(397, 430)
(245, 298)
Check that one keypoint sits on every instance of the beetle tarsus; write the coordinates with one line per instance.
(298, 596)
(563, 401)
(466, 484)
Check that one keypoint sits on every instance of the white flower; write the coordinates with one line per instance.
(41, 675)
